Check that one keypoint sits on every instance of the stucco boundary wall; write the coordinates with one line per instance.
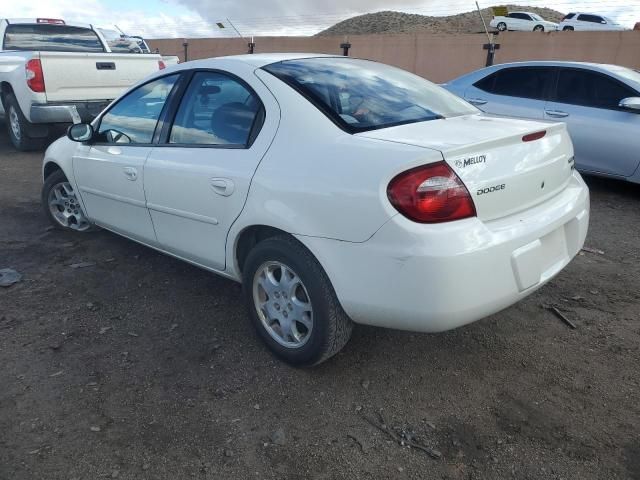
(437, 57)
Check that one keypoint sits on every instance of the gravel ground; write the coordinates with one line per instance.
(143, 367)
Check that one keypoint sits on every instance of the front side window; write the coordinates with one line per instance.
(524, 82)
(361, 95)
(134, 118)
(215, 110)
(119, 43)
(51, 38)
(589, 89)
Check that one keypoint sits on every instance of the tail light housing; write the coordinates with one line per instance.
(431, 194)
(161, 65)
(35, 77)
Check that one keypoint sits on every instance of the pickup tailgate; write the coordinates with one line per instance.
(73, 76)
(507, 165)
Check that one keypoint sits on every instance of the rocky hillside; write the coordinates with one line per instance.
(398, 22)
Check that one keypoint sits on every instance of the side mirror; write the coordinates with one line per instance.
(630, 103)
(80, 132)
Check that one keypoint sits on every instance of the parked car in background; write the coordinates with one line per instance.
(53, 72)
(120, 42)
(599, 103)
(588, 21)
(523, 22)
(334, 189)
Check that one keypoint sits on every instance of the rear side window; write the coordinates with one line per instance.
(51, 38)
(590, 89)
(591, 18)
(216, 110)
(524, 82)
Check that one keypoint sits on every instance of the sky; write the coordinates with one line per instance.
(198, 18)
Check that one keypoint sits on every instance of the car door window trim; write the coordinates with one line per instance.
(172, 111)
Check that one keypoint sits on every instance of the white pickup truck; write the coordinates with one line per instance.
(53, 72)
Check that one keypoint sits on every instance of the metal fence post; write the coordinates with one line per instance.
(345, 48)
(185, 44)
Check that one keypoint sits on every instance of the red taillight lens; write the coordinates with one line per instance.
(431, 194)
(161, 65)
(35, 77)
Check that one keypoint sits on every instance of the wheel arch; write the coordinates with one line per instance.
(49, 168)
(5, 88)
(249, 237)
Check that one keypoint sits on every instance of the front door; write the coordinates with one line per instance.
(198, 178)
(110, 171)
(605, 137)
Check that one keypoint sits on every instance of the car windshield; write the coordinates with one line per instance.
(536, 17)
(361, 95)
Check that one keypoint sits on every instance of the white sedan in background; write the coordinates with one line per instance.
(523, 22)
(336, 190)
(588, 22)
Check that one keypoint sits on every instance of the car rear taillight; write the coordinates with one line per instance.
(161, 65)
(431, 194)
(35, 77)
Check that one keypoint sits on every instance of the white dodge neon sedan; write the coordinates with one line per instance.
(336, 190)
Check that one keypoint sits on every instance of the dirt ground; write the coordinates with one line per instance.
(143, 367)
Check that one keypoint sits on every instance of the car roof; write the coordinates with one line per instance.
(256, 60)
(34, 21)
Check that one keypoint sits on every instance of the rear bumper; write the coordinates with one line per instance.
(68, 112)
(433, 278)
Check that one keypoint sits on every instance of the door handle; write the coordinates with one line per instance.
(131, 173)
(222, 186)
(556, 113)
(477, 101)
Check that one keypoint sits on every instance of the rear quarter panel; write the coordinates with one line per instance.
(317, 180)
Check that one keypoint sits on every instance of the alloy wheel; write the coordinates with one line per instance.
(14, 123)
(283, 304)
(65, 208)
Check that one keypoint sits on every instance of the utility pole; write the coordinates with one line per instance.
(491, 46)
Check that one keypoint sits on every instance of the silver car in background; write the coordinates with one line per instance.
(599, 103)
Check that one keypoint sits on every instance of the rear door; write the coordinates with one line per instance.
(605, 137)
(514, 91)
(198, 179)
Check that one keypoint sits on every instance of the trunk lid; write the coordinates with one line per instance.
(74, 76)
(503, 173)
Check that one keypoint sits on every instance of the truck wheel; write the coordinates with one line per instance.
(292, 303)
(18, 127)
(502, 27)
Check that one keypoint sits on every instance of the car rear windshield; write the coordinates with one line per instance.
(51, 38)
(361, 95)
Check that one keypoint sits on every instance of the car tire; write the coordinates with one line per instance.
(502, 27)
(61, 205)
(18, 127)
(538, 28)
(306, 293)
(567, 29)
